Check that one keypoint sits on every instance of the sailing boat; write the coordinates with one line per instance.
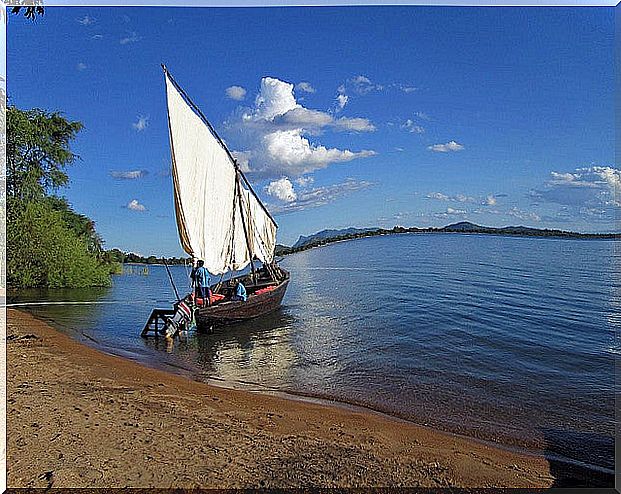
(220, 219)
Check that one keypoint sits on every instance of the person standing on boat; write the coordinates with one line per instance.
(240, 292)
(200, 276)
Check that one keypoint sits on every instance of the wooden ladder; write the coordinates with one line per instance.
(156, 320)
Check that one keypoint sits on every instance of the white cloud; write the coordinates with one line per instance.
(141, 124)
(490, 200)
(275, 98)
(445, 148)
(363, 85)
(97, 36)
(130, 38)
(303, 117)
(408, 89)
(237, 93)
(341, 101)
(450, 212)
(282, 189)
(274, 134)
(439, 196)
(86, 20)
(321, 196)
(523, 215)
(589, 187)
(134, 205)
(81, 66)
(354, 124)
(129, 175)
(589, 193)
(304, 181)
(297, 155)
(305, 87)
(412, 127)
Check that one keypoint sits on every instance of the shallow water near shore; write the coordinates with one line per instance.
(507, 339)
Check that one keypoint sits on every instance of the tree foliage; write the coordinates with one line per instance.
(48, 244)
(31, 12)
(43, 251)
(37, 152)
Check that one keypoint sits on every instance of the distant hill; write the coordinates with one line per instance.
(329, 236)
(324, 234)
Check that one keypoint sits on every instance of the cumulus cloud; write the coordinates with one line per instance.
(130, 38)
(412, 127)
(141, 124)
(320, 196)
(275, 134)
(282, 189)
(134, 205)
(86, 20)
(81, 66)
(305, 87)
(129, 175)
(445, 148)
(590, 187)
(237, 93)
(589, 193)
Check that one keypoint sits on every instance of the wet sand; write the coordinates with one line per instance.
(77, 417)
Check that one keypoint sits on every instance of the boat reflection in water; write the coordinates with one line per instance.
(257, 352)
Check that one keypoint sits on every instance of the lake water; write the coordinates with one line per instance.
(506, 339)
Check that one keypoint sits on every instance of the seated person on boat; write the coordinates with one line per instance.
(240, 292)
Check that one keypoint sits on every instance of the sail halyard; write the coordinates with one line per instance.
(213, 209)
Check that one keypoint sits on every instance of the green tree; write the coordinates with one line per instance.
(44, 252)
(37, 152)
(48, 244)
(30, 12)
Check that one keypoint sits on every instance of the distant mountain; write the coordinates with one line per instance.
(324, 234)
(328, 236)
(467, 227)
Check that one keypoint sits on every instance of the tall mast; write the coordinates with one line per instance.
(244, 224)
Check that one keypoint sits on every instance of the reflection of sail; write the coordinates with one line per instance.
(323, 329)
(258, 352)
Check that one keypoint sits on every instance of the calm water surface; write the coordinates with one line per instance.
(502, 338)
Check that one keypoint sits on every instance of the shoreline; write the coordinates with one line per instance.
(570, 236)
(127, 417)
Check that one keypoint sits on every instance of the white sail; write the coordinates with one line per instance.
(212, 217)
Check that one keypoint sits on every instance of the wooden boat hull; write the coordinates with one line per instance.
(231, 312)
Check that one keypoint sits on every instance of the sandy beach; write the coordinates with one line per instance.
(80, 418)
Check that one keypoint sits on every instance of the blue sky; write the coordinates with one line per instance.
(342, 116)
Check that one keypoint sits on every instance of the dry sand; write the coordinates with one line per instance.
(81, 418)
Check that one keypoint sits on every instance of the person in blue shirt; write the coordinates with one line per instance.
(240, 292)
(200, 276)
